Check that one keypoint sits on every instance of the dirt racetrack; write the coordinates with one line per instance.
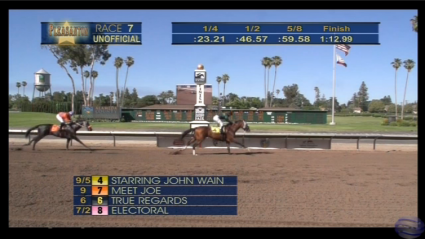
(281, 188)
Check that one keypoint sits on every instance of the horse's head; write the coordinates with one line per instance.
(244, 125)
(84, 123)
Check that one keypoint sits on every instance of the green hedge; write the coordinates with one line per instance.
(400, 123)
(374, 115)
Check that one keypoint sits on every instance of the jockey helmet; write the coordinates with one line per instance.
(71, 113)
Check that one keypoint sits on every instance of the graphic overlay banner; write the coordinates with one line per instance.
(155, 195)
(275, 39)
(274, 27)
(245, 33)
(75, 33)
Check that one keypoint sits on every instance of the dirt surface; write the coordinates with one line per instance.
(281, 188)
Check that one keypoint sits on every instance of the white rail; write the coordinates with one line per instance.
(331, 136)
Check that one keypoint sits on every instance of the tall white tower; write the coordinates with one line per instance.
(200, 107)
(42, 83)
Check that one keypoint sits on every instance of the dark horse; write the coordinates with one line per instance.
(202, 132)
(51, 129)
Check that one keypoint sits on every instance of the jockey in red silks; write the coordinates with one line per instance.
(65, 119)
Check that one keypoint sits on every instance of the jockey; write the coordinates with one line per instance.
(224, 116)
(65, 118)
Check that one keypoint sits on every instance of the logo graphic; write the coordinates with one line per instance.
(178, 142)
(265, 143)
(41, 79)
(409, 227)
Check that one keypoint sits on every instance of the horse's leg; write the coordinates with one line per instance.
(236, 142)
(79, 141)
(36, 139)
(191, 141)
(67, 143)
(228, 147)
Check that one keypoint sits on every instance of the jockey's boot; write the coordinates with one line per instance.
(62, 126)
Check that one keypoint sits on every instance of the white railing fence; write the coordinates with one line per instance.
(243, 135)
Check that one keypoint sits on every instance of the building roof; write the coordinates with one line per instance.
(42, 71)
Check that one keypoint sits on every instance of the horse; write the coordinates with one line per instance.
(54, 130)
(202, 132)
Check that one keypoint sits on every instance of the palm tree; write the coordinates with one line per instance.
(129, 62)
(219, 79)
(225, 79)
(277, 61)
(266, 62)
(414, 22)
(86, 75)
(396, 64)
(118, 64)
(24, 83)
(409, 64)
(94, 75)
(18, 84)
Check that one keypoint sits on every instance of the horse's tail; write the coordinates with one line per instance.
(35, 127)
(187, 132)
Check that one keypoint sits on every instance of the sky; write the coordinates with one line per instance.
(160, 66)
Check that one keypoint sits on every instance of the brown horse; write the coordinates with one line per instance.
(202, 132)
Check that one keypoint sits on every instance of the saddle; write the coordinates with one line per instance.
(217, 130)
(55, 128)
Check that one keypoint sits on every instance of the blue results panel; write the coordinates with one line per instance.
(155, 195)
(210, 33)
(74, 33)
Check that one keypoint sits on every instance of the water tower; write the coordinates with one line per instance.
(42, 83)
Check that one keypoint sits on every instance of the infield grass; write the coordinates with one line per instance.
(24, 120)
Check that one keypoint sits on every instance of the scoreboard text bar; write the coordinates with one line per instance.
(274, 39)
(278, 27)
(155, 195)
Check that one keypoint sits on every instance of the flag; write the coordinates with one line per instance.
(344, 47)
(340, 61)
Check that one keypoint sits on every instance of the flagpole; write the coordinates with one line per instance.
(333, 98)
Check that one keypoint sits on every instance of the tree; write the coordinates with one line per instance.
(225, 78)
(300, 101)
(93, 76)
(86, 76)
(376, 106)
(386, 100)
(363, 96)
(396, 65)
(218, 82)
(118, 64)
(276, 62)
(290, 92)
(267, 63)
(129, 62)
(317, 96)
(414, 22)
(63, 59)
(337, 107)
(277, 92)
(24, 84)
(18, 85)
(98, 53)
(111, 96)
(409, 64)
